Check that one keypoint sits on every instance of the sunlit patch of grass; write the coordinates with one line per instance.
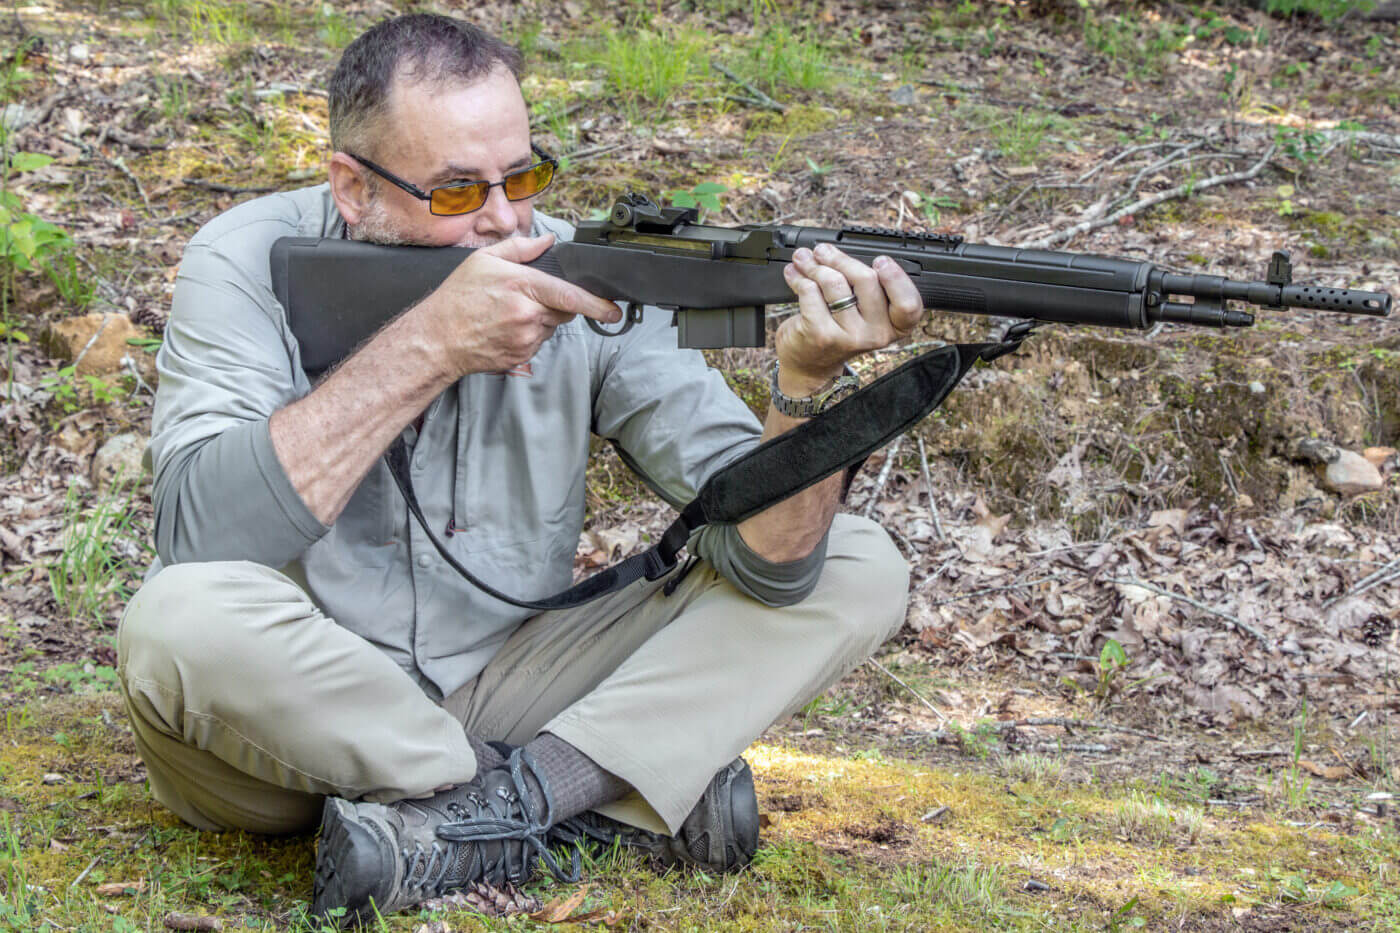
(1155, 821)
(1032, 768)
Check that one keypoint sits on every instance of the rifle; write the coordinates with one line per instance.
(717, 280)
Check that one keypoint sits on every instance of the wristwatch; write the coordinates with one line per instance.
(842, 388)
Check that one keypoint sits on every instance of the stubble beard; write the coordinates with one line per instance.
(377, 226)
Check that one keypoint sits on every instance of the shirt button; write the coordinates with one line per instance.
(425, 560)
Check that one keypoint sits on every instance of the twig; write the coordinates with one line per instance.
(581, 154)
(1071, 724)
(84, 873)
(917, 695)
(120, 164)
(222, 188)
(130, 366)
(883, 477)
(1229, 474)
(1131, 581)
(928, 484)
(546, 115)
(760, 99)
(91, 340)
(1384, 575)
(1177, 192)
(1131, 150)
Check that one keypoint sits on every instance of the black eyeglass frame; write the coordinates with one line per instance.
(420, 194)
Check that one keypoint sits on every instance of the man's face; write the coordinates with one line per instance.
(436, 135)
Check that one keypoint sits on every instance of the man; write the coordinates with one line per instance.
(302, 651)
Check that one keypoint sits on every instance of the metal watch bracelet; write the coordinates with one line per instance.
(844, 385)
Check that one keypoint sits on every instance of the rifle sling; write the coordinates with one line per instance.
(839, 438)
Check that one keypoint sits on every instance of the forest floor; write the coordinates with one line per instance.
(1149, 676)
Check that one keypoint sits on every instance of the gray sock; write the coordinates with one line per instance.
(486, 756)
(576, 782)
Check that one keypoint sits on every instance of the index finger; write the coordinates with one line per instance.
(555, 293)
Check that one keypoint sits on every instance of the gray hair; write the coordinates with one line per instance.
(424, 47)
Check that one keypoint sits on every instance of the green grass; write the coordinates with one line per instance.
(653, 66)
(104, 554)
(845, 849)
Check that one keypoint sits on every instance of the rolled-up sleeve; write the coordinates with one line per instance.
(226, 364)
(676, 422)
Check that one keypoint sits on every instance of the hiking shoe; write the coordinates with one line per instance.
(720, 834)
(381, 858)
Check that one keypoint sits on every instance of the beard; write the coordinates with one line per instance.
(378, 226)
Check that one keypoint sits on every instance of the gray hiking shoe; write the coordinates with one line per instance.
(386, 857)
(720, 834)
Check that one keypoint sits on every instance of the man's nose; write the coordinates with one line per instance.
(497, 215)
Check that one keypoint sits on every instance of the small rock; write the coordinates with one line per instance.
(67, 339)
(52, 778)
(74, 122)
(904, 95)
(121, 456)
(18, 116)
(1352, 474)
(1379, 456)
(1257, 388)
(79, 52)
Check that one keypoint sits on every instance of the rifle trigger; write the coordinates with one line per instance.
(630, 316)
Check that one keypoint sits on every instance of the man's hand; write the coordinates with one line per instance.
(492, 313)
(813, 346)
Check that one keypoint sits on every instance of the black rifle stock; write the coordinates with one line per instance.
(717, 280)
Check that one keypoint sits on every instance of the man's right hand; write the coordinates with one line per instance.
(492, 313)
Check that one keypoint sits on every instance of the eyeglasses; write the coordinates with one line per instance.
(466, 196)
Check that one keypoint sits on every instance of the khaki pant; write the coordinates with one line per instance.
(249, 705)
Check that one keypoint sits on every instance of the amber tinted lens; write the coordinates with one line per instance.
(530, 182)
(458, 199)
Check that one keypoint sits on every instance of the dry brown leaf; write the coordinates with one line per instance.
(1175, 519)
(603, 915)
(558, 911)
(193, 922)
(1330, 772)
(115, 888)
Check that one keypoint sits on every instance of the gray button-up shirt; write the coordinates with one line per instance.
(501, 458)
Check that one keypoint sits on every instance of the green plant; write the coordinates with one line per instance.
(653, 66)
(1325, 10)
(782, 58)
(1113, 660)
(705, 195)
(65, 385)
(103, 553)
(334, 28)
(933, 205)
(1295, 784)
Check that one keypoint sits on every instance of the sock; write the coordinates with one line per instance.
(486, 756)
(576, 782)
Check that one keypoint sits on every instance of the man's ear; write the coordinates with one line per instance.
(348, 187)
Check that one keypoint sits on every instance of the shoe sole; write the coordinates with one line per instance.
(346, 884)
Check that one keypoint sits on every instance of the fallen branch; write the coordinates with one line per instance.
(1132, 581)
(1183, 190)
(760, 99)
(1387, 573)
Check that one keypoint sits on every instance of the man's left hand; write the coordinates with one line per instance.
(815, 344)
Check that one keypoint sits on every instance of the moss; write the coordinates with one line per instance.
(798, 120)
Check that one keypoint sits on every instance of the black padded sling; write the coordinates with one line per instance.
(839, 438)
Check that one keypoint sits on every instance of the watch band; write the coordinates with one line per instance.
(845, 385)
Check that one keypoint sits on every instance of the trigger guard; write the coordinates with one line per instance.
(631, 315)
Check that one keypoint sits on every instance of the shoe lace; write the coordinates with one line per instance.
(530, 827)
